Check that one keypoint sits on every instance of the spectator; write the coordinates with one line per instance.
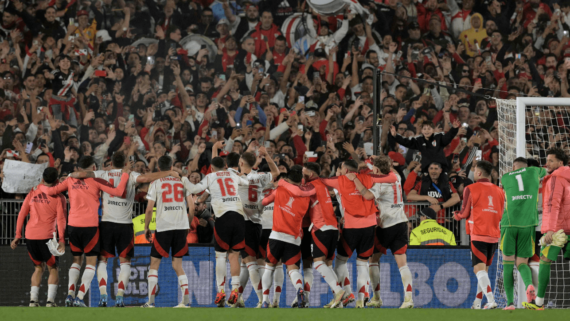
(435, 189)
(429, 232)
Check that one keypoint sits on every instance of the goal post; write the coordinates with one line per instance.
(540, 122)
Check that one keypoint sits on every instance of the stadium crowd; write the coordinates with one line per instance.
(92, 78)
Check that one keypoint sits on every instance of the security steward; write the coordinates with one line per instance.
(429, 232)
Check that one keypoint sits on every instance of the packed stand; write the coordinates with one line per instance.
(93, 78)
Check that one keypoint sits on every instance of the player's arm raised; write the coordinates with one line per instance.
(195, 188)
(150, 177)
(360, 187)
(269, 198)
(82, 174)
(390, 178)
(24, 211)
(272, 166)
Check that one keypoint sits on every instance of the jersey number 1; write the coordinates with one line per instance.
(520, 181)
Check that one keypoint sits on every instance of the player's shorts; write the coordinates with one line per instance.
(359, 239)
(39, 253)
(518, 241)
(394, 238)
(84, 240)
(288, 253)
(551, 252)
(119, 236)
(229, 232)
(482, 252)
(263, 241)
(169, 241)
(306, 242)
(324, 243)
(252, 237)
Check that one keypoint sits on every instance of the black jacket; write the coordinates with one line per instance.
(431, 148)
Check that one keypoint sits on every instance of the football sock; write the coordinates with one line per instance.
(102, 277)
(152, 285)
(406, 280)
(543, 280)
(34, 293)
(266, 282)
(74, 272)
(52, 291)
(485, 284)
(278, 279)
(308, 278)
(243, 278)
(221, 271)
(374, 271)
(361, 278)
(534, 268)
(255, 279)
(124, 277)
(341, 271)
(235, 282)
(183, 282)
(479, 295)
(509, 280)
(86, 279)
(296, 279)
(526, 274)
(329, 276)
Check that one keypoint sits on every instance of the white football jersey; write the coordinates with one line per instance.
(223, 189)
(169, 195)
(389, 199)
(118, 209)
(251, 195)
(267, 216)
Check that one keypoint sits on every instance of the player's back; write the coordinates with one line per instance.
(118, 209)
(521, 189)
(43, 210)
(223, 188)
(83, 201)
(169, 195)
(390, 202)
(291, 203)
(267, 215)
(251, 195)
(487, 205)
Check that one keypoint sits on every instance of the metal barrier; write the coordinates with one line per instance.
(11, 208)
(444, 218)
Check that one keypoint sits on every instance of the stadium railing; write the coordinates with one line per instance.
(11, 207)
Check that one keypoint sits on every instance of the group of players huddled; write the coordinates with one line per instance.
(268, 219)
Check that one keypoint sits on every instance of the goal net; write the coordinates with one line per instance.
(527, 128)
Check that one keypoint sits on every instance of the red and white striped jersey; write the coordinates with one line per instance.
(223, 189)
(169, 195)
(390, 202)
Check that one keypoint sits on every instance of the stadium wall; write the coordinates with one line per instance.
(443, 278)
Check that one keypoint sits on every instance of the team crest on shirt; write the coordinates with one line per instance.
(80, 184)
(290, 203)
(491, 201)
(41, 198)
(434, 143)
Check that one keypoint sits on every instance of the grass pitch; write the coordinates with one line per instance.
(226, 314)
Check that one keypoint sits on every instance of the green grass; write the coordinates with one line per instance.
(169, 314)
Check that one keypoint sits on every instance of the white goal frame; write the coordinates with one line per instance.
(522, 103)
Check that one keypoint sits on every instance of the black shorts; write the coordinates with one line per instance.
(306, 242)
(119, 236)
(394, 238)
(164, 242)
(39, 253)
(263, 241)
(324, 243)
(84, 240)
(359, 239)
(229, 232)
(482, 252)
(252, 238)
(288, 253)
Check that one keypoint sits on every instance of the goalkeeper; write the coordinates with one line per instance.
(518, 225)
(555, 220)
